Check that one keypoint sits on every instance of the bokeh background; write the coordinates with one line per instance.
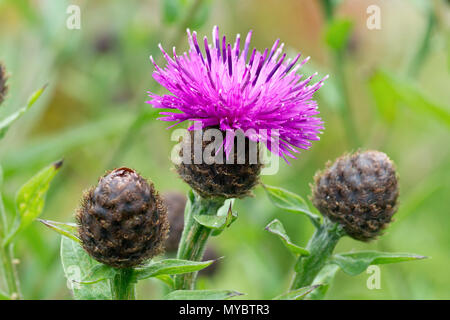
(388, 90)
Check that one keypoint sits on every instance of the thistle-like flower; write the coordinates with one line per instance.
(260, 94)
(359, 191)
(3, 85)
(122, 221)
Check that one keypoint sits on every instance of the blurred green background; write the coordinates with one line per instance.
(391, 84)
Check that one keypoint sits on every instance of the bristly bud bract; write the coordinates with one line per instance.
(359, 191)
(122, 221)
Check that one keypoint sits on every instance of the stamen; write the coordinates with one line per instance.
(237, 45)
(247, 44)
(275, 68)
(224, 48)
(208, 54)
(216, 39)
(289, 67)
(230, 62)
(197, 48)
(275, 45)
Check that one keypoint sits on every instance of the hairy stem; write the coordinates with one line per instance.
(194, 238)
(321, 247)
(123, 285)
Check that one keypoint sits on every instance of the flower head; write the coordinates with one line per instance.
(358, 191)
(233, 89)
(122, 221)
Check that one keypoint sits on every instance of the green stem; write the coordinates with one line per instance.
(194, 238)
(321, 247)
(12, 281)
(123, 285)
(6, 257)
(423, 51)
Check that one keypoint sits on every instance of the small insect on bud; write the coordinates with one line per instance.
(175, 203)
(358, 191)
(233, 177)
(3, 85)
(122, 221)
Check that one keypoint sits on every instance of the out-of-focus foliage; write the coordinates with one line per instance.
(93, 114)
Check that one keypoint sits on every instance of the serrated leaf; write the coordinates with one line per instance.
(297, 294)
(354, 263)
(338, 33)
(277, 228)
(290, 201)
(69, 230)
(201, 295)
(31, 198)
(169, 267)
(8, 121)
(78, 265)
(324, 279)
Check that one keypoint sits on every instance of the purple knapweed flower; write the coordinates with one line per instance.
(233, 89)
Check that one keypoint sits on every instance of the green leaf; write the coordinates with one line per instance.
(323, 279)
(290, 201)
(4, 296)
(171, 10)
(99, 273)
(166, 279)
(297, 294)
(408, 94)
(386, 99)
(354, 263)
(223, 219)
(8, 121)
(69, 230)
(276, 227)
(338, 33)
(170, 266)
(31, 198)
(201, 295)
(78, 265)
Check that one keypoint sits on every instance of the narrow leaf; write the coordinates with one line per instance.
(170, 266)
(8, 121)
(297, 294)
(78, 265)
(201, 295)
(69, 230)
(277, 228)
(31, 198)
(338, 33)
(354, 263)
(324, 279)
(99, 273)
(290, 201)
(4, 296)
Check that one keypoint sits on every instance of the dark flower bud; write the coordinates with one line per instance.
(3, 85)
(122, 221)
(221, 179)
(175, 203)
(358, 191)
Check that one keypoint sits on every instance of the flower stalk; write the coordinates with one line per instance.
(321, 247)
(123, 285)
(6, 256)
(195, 236)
